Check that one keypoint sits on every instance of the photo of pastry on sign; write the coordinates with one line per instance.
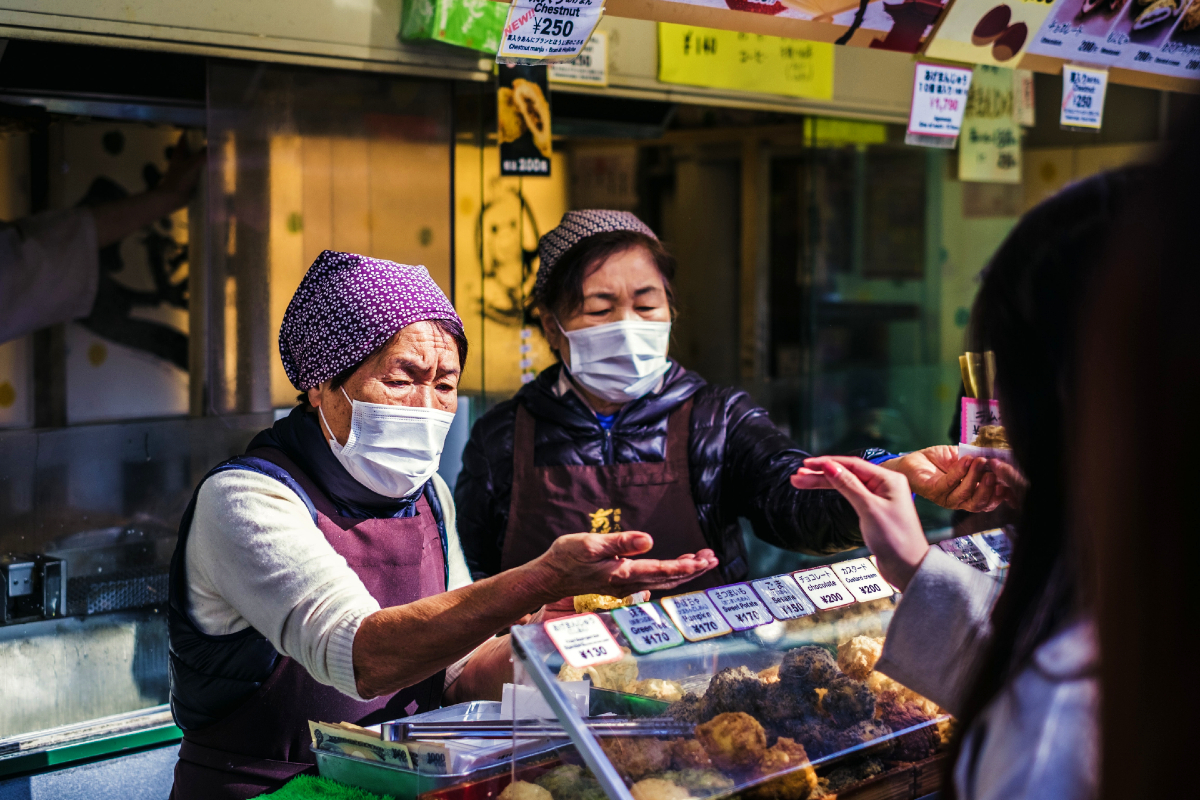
(988, 31)
(1083, 31)
(523, 120)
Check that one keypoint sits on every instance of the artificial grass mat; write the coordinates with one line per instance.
(309, 787)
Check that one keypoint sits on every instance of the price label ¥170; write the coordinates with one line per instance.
(646, 628)
(583, 640)
(696, 616)
(740, 606)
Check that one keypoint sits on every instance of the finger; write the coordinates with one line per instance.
(615, 545)
(961, 496)
(808, 479)
(877, 480)
(844, 481)
(980, 498)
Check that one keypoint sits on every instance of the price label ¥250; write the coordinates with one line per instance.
(583, 640)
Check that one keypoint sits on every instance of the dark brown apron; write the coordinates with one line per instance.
(652, 497)
(265, 741)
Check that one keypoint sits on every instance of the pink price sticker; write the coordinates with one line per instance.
(975, 415)
(583, 640)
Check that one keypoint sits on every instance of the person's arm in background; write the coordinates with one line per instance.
(49, 262)
(481, 507)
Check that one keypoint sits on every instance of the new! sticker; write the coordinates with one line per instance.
(862, 579)
(823, 588)
(583, 640)
(740, 607)
(646, 627)
(783, 597)
(696, 616)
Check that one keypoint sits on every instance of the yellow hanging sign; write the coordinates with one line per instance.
(746, 61)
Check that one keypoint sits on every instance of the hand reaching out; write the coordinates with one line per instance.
(939, 475)
(885, 510)
(586, 563)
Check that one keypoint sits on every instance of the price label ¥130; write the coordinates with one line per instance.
(583, 640)
(823, 588)
(696, 616)
(646, 628)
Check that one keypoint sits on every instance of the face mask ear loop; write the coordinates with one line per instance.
(321, 412)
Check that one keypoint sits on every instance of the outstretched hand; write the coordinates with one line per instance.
(599, 563)
(939, 475)
(886, 514)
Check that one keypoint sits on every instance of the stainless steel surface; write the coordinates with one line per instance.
(402, 731)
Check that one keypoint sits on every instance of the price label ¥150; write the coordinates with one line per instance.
(782, 595)
(583, 640)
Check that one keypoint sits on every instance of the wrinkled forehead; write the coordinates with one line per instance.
(422, 348)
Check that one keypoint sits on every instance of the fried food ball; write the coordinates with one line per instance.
(847, 702)
(916, 744)
(689, 754)
(522, 790)
(946, 728)
(808, 668)
(815, 733)
(700, 782)
(769, 675)
(735, 741)
(845, 777)
(857, 657)
(860, 733)
(637, 757)
(796, 778)
(733, 689)
(601, 602)
(658, 789)
(659, 689)
(689, 708)
(571, 782)
(615, 676)
(881, 684)
(781, 703)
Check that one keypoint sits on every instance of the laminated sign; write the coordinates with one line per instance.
(543, 31)
(1083, 97)
(523, 120)
(939, 100)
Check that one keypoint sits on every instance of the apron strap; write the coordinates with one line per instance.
(679, 430)
(523, 469)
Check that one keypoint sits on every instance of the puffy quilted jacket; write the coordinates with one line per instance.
(739, 464)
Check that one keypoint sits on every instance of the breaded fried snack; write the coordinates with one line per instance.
(637, 757)
(521, 790)
(601, 602)
(857, 657)
(848, 701)
(734, 741)
(658, 789)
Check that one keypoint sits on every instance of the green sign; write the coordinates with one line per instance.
(476, 24)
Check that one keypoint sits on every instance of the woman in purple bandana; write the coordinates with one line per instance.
(618, 437)
(320, 576)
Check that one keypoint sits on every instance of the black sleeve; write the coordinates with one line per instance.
(482, 513)
(758, 461)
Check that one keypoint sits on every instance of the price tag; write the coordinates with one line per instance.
(740, 607)
(939, 100)
(583, 640)
(590, 67)
(646, 627)
(823, 588)
(541, 31)
(862, 579)
(1083, 97)
(696, 616)
(783, 597)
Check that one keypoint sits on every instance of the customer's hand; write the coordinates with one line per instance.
(886, 513)
(599, 563)
(939, 475)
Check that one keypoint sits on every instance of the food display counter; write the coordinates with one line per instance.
(764, 689)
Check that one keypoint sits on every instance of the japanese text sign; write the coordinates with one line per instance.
(540, 31)
(975, 415)
(696, 616)
(740, 607)
(646, 627)
(862, 579)
(583, 640)
(1083, 97)
(783, 597)
(824, 588)
(939, 99)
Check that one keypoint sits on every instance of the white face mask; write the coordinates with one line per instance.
(620, 361)
(392, 450)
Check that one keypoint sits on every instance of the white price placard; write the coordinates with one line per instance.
(583, 640)
(589, 68)
(783, 597)
(696, 616)
(862, 579)
(1083, 97)
(740, 606)
(939, 99)
(646, 628)
(541, 31)
(823, 588)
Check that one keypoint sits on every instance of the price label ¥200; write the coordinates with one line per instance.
(862, 579)
(823, 588)
(696, 616)
(583, 640)
(646, 628)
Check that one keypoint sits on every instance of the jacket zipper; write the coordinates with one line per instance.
(608, 456)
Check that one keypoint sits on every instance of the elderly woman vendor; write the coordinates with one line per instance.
(320, 576)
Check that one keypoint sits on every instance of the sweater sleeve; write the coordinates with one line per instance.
(940, 626)
(255, 559)
(758, 461)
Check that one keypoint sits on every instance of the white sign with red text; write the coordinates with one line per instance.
(543, 31)
(583, 640)
(939, 99)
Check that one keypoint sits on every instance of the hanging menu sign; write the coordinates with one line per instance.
(696, 616)
(823, 588)
(939, 99)
(740, 606)
(646, 628)
(1083, 97)
(583, 640)
(862, 579)
(783, 597)
(542, 31)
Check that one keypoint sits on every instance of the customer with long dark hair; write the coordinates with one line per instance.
(1017, 665)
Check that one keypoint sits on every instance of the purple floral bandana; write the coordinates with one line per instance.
(574, 228)
(349, 305)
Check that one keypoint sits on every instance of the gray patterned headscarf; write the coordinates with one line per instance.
(574, 228)
(349, 305)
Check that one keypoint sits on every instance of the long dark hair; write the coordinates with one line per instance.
(1028, 305)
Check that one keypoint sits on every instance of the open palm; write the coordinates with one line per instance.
(939, 475)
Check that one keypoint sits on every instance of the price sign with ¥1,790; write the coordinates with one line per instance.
(696, 616)
(939, 100)
(583, 640)
(824, 588)
(646, 627)
(543, 31)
